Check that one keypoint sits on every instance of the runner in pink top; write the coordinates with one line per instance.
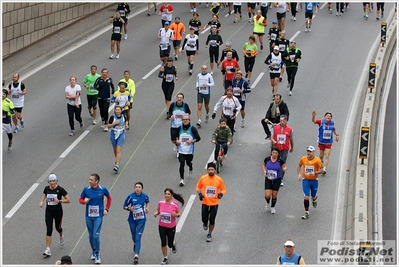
(169, 210)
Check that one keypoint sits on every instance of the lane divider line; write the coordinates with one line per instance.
(185, 213)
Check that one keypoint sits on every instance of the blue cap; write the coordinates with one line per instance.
(274, 21)
(167, 23)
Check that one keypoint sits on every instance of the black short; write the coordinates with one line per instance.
(213, 54)
(380, 6)
(176, 43)
(308, 15)
(190, 53)
(92, 101)
(251, 5)
(272, 184)
(274, 75)
(237, 9)
(366, 3)
(259, 33)
(116, 37)
(280, 15)
(174, 133)
(19, 110)
(125, 20)
(164, 53)
(203, 98)
(242, 104)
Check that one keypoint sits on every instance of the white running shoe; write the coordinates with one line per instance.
(112, 56)
(182, 182)
(290, 94)
(273, 210)
(195, 10)
(190, 173)
(267, 206)
(117, 56)
(47, 252)
(97, 260)
(125, 36)
(93, 256)
(105, 128)
(62, 240)
(211, 72)
(206, 118)
(94, 122)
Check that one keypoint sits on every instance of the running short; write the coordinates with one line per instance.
(227, 84)
(280, 15)
(174, 133)
(209, 212)
(116, 37)
(92, 101)
(19, 110)
(272, 184)
(366, 3)
(251, 5)
(202, 98)
(7, 128)
(213, 54)
(259, 33)
(164, 53)
(125, 20)
(167, 89)
(237, 9)
(380, 6)
(310, 186)
(274, 75)
(190, 53)
(117, 142)
(176, 43)
(324, 146)
(308, 15)
(242, 104)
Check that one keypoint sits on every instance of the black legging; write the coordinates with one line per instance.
(293, 9)
(249, 63)
(169, 233)
(104, 106)
(230, 122)
(74, 111)
(340, 7)
(264, 10)
(209, 213)
(185, 158)
(291, 73)
(213, 54)
(53, 214)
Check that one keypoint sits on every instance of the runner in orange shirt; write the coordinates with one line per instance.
(210, 189)
(179, 31)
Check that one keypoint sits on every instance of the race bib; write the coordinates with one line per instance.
(166, 217)
(310, 7)
(202, 90)
(271, 174)
(210, 191)
(292, 57)
(327, 134)
(235, 91)
(117, 29)
(94, 211)
(164, 46)
(228, 69)
(273, 36)
(309, 169)
(178, 117)
(164, 16)
(138, 214)
(15, 96)
(50, 199)
(281, 138)
(169, 78)
(122, 12)
(212, 43)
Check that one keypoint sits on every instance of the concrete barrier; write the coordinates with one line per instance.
(360, 212)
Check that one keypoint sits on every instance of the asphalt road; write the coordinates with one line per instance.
(334, 54)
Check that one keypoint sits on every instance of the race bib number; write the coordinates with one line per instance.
(235, 91)
(228, 69)
(117, 29)
(138, 214)
(212, 43)
(165, 16)
(169, 78)
(292, 57)
(202, 90)
(281, 138)
(166, 217)
(164, 46)
(50, 199)
(15, 96)
(309, 169)
(310, 7)
(271, 174)
(327, 134)
(94, 211)
(273, 36)
(184, 139)
(91, 88)
(122, 12)
(281, 47)
(227, 108)
(210, 191)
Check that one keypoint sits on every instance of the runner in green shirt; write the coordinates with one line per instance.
(250, 51)
(91, 92)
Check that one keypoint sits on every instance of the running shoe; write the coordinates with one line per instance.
(294, 18)
(174, 248)
(125, 36)
(249, 82)
(309, 30)
(211, 72)
(176, 57)
(136, 260)
(9, 146)
(190, 173)
(273, 210)
(305, 216)
(268, 137)
(267, 207)
(105, 128)
(97, 259)
(47, 252)
(116, 168)
(82, 124)
(377, 18)
(112, 56)
(167, 115)
(16, 130)
(205, 227)
(22, 123)
(246, 75)
(240, 17)
(190, 72)
(324, 170)
(192, 10)
(314, 203)
(181, 182)
(208, 238)
(206, 118)
(148, 13)
(282, 184)
(235, 20)
(288, 85)
(72, 132)
(165, 261)
(290, 93)
(242, 124)
(174, 148)
(261, 46)
(117, 56)
(94, 122)
(274, 96)
(306, 29)
(62, 240)
(199, 123)
(195, 10)
(280, 79)
(93, 256)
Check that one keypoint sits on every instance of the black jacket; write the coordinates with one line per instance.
(283, 110)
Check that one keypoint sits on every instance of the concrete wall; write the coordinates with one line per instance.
(26, 23)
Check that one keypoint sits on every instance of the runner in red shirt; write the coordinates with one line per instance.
(228, 68)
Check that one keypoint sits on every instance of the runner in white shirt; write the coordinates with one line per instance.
(17, 92)
(282, 8)
(74, 104)
(203, 86)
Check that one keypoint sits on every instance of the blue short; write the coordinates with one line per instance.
(310, 186)
(119, 141)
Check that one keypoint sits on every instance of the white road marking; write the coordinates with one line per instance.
(323, 5)
(205, 30)
(22, 200)
(257, 80)
(152, 71)
(72, 146)
(185, 213)
(295, 35)
(211, 157)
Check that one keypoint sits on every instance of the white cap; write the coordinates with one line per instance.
(310, 148)
(289, 243)
(52, 177)
(276, 47)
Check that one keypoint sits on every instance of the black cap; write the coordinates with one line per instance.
(66, 259)
(5, 91)
(122, 83)
(211, 165)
